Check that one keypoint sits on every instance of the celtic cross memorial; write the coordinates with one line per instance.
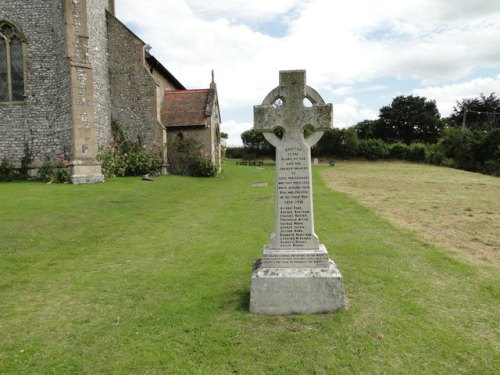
(295, 273)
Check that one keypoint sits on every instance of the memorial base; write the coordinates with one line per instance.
(280, 291)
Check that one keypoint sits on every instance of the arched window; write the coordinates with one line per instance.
(12, 63)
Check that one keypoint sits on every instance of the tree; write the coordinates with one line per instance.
(224, 135)
(366, 129)
(255, 142)
(342, 143)
(252, 139)
(481, 113)
(409, 119)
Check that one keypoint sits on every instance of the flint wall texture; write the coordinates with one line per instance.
(133, 88)
(43, 119)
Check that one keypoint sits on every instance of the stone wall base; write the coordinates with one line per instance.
(280, 291)
(86, 174)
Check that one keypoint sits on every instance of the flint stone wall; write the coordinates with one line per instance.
(43, 120)
(135, 88)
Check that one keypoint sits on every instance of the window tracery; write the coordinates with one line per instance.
(12, 63)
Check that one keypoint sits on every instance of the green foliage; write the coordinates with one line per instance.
(8, 171)
(202, 166)
(489, 146)
(127, 158)
(254, 142)
(481, 113)
(457, 144)
(435, 155)
(417, 152)
(414, 123)
(366, 129)
(398, 151)
(409, 119)
(27, 159)
(492, 167)
(55, 172)
(373, 149)
(185, 158)
(235, 152)
(342, 143)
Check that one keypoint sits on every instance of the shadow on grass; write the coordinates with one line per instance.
(243, 300)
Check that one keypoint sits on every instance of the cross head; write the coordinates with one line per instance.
(284, 108)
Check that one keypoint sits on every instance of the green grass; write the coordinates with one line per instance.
(139, 277)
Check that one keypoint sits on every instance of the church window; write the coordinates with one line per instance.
(12, 63)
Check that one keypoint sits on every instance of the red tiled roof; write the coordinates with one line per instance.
(184, 108)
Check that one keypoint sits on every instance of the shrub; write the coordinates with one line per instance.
(373, 149)
(126, 158)
(58, 172)
(342, 143)
(8, 171)
(457, 143)
(202, 167)
(235, 152)
(492, 167)
(27, 159)
(398, 151)
(434, 155)
(416, 152)
(185, 158)
(46, 170)
(449, 162)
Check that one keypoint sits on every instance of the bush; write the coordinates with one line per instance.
(185, 158)
(457, 144)
(235, 152)
(373, 149)
(8, 171)
(342, 143)
(492, 167)
(417, 152)
(58, 172)
(126, 158)
(398, 151)
(449, 162)
(434, 155)
(202, 167)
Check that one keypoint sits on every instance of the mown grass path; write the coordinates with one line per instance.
(153, 277)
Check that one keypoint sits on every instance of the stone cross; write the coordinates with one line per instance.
(294, 242)
(295, 273)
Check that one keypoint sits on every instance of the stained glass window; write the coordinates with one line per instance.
(12, 71)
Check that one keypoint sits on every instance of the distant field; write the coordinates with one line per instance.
(135, 277)
(454, 209)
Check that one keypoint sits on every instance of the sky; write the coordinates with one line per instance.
(358, 54)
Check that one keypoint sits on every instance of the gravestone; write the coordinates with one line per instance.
(295, 273)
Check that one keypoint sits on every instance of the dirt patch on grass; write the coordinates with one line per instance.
(454, 209)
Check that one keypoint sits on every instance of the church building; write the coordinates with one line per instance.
(67, 68)
(194, 114)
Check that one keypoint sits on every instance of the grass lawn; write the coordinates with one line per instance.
(153, 277)
(455, 209)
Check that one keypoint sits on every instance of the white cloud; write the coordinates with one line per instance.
(234, 130)
(447, 96)
(244, 10)
(342, 45)
(350, 112)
